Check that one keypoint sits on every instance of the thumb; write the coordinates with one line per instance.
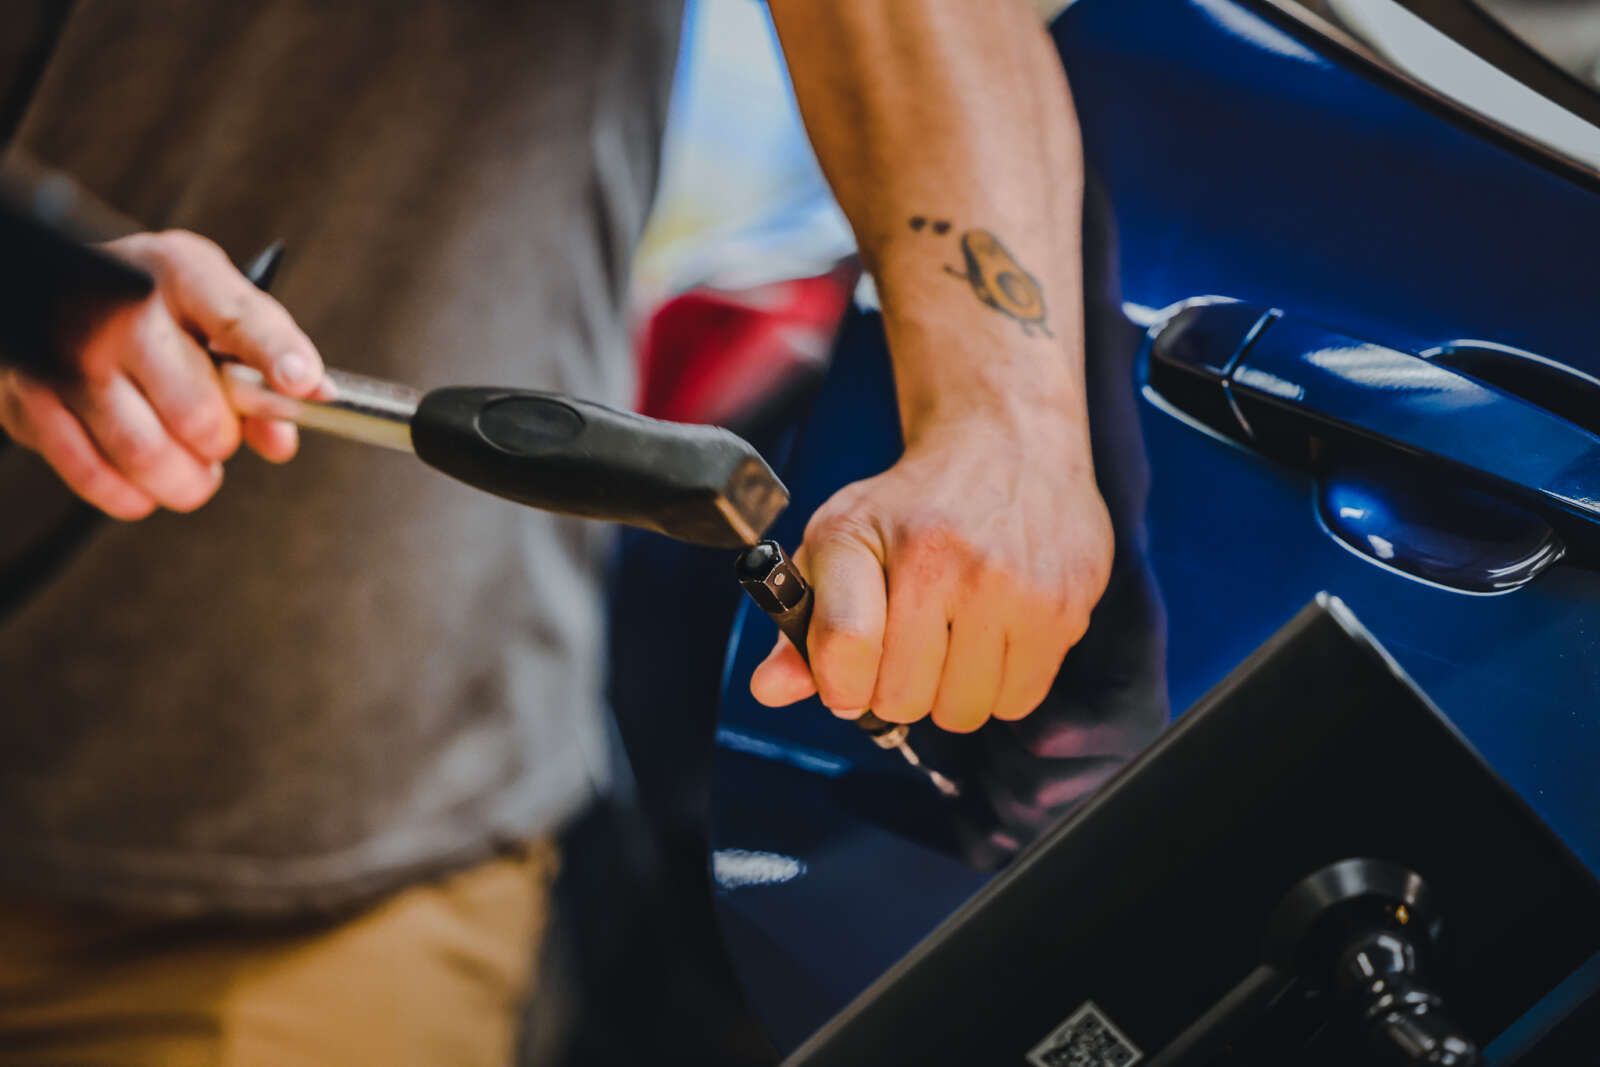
(847, 624)
(208, 295)
(783, 677)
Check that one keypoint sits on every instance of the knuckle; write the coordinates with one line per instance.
(931, 537)
(158, 250)
(843, 689)
(1092, 573)
(1053, 642)
(1075, 610)
(1073, 632)
(821, 527)
(274, 329)
(187, 243)
(107, 347)
(841, 696)
(135, 449)
(925, 559)
(167, 251)
(1071, 605)
(130, 242)
(148, 328)
(893, 701)
(232, 322)
(207, 425)
(57, 447)
(94, 482)
(835, 521)
(991, 570)
(99, 363)
(1054, 602)
(839, 638)
(139, 248)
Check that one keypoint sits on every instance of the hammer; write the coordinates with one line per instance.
(699, 484)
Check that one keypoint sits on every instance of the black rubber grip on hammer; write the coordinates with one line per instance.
(699, 484)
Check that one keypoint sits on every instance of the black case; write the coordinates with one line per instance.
(1151, 902)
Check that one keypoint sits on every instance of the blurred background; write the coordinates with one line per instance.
(1567, 32)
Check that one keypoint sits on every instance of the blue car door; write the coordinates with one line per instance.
(1344, 284)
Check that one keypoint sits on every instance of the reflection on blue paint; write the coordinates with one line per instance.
(736, 868)
(1235, 19)
(1427, 527)
(1268, 382)
(1375, 367)
(806, 759)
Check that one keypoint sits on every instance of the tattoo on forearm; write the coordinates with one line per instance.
(995, 276)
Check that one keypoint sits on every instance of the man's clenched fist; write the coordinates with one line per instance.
(954, 583)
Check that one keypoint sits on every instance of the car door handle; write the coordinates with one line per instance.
(1448, 457)
(1295, 379)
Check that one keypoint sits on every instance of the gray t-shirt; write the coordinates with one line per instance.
(349, 672)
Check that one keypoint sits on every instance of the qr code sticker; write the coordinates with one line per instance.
(1086, 1039)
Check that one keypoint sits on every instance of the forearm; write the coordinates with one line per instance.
(942, 127)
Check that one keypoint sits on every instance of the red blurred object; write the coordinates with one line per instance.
(714, 355)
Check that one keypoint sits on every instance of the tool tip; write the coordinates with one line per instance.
(264, 267)
(757, 561)
(940, 782)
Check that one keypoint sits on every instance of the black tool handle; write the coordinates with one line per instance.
(780, 590)
(695, 483)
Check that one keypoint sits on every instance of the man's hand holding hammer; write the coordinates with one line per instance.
(144, 423)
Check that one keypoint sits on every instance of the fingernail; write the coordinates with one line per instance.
(295, 369)
(848, 713)
(216, 472)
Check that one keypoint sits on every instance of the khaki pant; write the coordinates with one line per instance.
(435, 975)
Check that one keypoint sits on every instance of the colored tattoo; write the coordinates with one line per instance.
(994, 275)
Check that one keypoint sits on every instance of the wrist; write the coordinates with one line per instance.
(1019, 427)
(956, 380)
